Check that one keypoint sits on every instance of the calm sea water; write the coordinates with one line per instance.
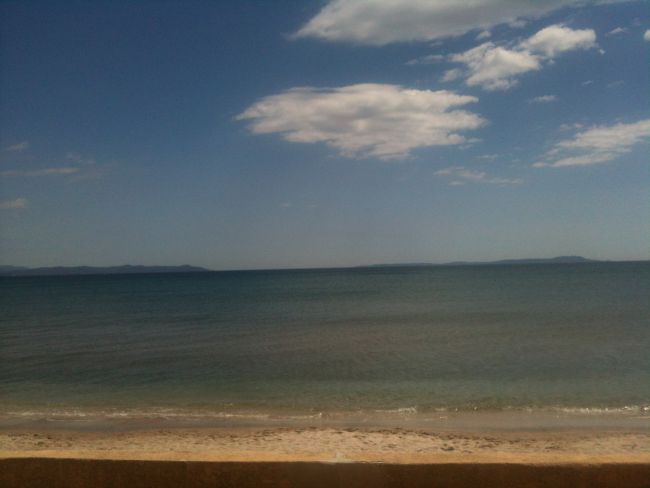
(385, 339)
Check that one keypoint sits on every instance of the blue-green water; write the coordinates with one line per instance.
(455, 338)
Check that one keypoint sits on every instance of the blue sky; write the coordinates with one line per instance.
(253, 134)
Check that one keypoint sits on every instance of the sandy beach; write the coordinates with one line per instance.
(326, 444)
(307, 456)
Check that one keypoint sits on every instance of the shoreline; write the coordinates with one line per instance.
(597, 420)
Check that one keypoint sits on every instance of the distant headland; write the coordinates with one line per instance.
(556, 260)
(186, 268)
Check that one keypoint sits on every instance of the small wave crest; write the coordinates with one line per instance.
(625, 410)
(234, 415)
(71, 414)
(399, 411)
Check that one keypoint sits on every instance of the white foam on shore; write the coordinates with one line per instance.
(198, 414)
(628, 409)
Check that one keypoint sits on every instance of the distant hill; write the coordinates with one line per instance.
(11, 269)
(96, 270)
(135, 269)
(559, 259)
(556, 260)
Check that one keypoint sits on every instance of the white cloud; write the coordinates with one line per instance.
(379, 22)
(598, 144)
(618, 137)
(486, 34)
(646, 35)
(543, 99)
(496, 67)
(430, 59)
(587, 83)
(583, 160)
(518, 24)
(77, 168)
(615, 84)
(488, 157)
(617, 31)
(18, 147)
(365, 120)
(65, 170)
(79, 159)
(14, 204)
(451, 75)
(556, 39)
(461, 175)
(565, 127)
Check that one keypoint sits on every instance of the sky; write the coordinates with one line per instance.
(256, 134)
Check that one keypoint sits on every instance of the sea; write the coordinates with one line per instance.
(376, 344)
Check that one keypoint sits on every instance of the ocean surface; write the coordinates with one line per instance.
(319, 343)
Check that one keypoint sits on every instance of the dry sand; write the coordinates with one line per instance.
(327, 444)
(322, 457)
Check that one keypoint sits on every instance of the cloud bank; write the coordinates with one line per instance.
(365, 120)
(495, 67)
(379, 22)
(598, 144)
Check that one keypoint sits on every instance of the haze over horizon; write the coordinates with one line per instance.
(247, 135)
